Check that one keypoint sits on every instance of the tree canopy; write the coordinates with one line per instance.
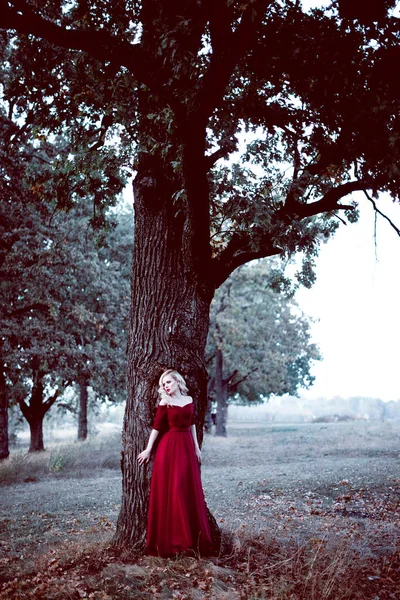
(263, 335)
(316, 89)
(64, 298)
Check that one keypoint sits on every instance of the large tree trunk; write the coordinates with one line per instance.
(221, 393)
(169, 325)
(83, 406)
(171, 288)
(4, 450)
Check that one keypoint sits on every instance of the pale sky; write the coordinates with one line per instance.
(356, 301)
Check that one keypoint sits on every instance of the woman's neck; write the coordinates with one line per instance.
(177, 397)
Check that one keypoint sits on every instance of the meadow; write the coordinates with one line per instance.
(308, 511)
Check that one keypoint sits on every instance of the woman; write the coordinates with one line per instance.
(177, 518)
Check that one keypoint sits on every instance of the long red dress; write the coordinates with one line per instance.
(177, 519)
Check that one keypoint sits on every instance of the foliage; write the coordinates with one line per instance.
(264, 338)
(64, 297)
(314, 88)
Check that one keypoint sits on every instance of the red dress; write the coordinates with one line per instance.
(177, 518)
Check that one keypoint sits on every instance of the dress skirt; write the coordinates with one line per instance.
(177, 518)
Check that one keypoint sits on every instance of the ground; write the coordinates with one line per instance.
(308, 511)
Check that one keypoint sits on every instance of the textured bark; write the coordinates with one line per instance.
(221, 393)
(207, 418)
(4, 450)
(82, 414)
(169, 325)
(36, 429)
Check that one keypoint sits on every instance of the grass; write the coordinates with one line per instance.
(80, 459)
(308, 513)
(255, 568)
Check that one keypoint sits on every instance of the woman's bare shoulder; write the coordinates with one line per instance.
(163, 402)
(188, 399)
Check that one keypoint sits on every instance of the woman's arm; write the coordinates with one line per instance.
(145, 455)
(196, 443)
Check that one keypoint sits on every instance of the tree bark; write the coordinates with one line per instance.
(4, 449)
(36, 430)
(221, 393)
(168, 329)
(82, 414)
(207, 418)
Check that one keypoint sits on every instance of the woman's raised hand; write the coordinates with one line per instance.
(144, 456)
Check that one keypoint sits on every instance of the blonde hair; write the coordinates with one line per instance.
(179, 380)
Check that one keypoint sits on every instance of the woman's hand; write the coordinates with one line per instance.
(144, 456)
(198, 454)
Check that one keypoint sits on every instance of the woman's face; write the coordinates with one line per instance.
(169, 384)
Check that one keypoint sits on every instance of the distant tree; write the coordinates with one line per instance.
(102, 342)
(64, 291)
(64, 305)
(174, 83)
(259, 342)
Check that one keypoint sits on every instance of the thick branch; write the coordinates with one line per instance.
(211, 159)
(234, 386)
(219, 17)
(40, 306)
(50, 401)
(228, 380)
(25, 409)
(226, 56)
(239, 251)
(330, 201)
(243, 247)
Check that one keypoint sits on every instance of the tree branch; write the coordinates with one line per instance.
(220, 24)
(50, 401)
(227, 380)
(26, 411)
(233, 387)
(226, 55)
(71, 409)
(243, 246)
(211, 159)
(379, 212)
(40, 306)
(330, 201)
(239, 251)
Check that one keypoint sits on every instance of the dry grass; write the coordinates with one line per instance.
(309, 512)
(255, 569)
(79, 459)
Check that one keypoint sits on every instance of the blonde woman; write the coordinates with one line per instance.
(177, 518)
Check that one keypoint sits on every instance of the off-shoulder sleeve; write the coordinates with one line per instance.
(160, 421)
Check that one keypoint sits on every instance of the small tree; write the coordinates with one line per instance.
(259, 342)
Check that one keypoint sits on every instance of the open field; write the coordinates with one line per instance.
(308, 511)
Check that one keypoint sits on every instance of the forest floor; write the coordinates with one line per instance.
(308, 511)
